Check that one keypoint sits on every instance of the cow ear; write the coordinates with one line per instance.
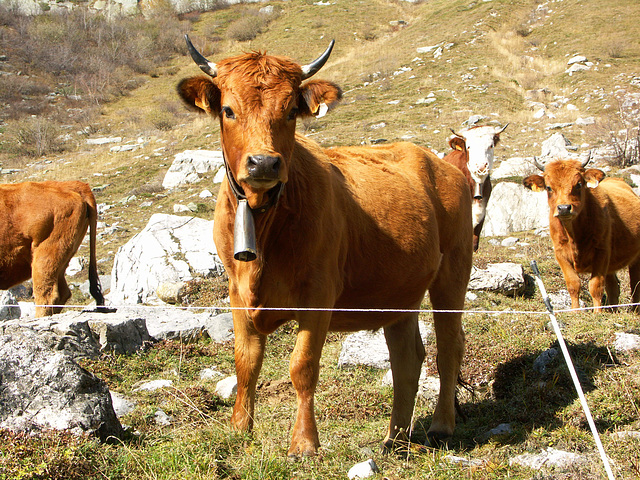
(593, 176)
(317, 97)
(457, 143)
(535, 183)
(200, 93)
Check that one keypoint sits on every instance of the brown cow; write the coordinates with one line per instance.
(595, 227)
(353, 228)
(473, 155)
(41, 227)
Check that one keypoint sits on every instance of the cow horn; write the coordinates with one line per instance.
(498, 132)
(312, 68)
(586, 162)
(455, 133)
(538, 164)
(205, 65)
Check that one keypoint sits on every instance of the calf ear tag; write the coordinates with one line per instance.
(322, 110)
(536, 188)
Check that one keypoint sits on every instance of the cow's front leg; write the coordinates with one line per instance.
(596, 289)
(572, 280)
(304, 369)
(249, 353)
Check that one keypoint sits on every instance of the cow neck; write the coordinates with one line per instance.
(273, 195)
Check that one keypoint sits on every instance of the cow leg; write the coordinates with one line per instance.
(572, 280)
(406, 352)
(45, 284)
(596, 289)
(447, 293)
(634, 281)
(612, 287)
(249, 354)
(304, 369)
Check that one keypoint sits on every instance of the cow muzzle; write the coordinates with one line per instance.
(564, 211)
(263, 170)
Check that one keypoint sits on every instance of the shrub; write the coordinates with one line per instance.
(35, 136)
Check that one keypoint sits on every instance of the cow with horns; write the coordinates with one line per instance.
(338, 239)
(594, 223)
(41, 227)
(473, 155)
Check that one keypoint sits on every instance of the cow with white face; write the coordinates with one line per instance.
(473, 155)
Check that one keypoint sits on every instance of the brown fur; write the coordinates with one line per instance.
(356, 227)
(41, 228)
(600, 232)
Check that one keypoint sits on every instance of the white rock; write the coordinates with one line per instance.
(514, 167)
(188, 166)
(75, 266)
(549, 458)
(626, 342)
(509, 241)
(555, 147)
(514, 208)
(9, 306)
(154, 385)
(506, 278)
(209, 374)
(370, 348)
(162, 418)
(169, 249)
(227, 388)
(577, 59)
(121, 404)
(103, 140)
(205, 194)
(364, 469)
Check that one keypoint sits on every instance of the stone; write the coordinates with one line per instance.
(626, 342)
(43, 388)
(227, 387)
(370, 348)
(506, 278)
(169, 249)
(514, 208)
(514, 167)
(543, 360)
(153, 385)
(162, 419)
(122, 405)
(76, 264)
(555, 147)
(188, 167)
(171, 292)
(550, 457)
(9, 306)
(365, 469)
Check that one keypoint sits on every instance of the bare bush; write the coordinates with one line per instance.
(34, 136)
(247, 27)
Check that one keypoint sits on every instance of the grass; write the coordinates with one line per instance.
(501, 51)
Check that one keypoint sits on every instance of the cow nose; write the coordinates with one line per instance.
(263, 166)
(564, 210)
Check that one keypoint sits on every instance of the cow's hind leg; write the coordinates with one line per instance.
(406, 353)
(447, 293)
(612, 287)
(634, 281)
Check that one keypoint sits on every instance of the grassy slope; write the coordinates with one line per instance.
(490, 43)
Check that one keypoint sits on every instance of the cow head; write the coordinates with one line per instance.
(257, 99)
(478, 143)
(566, 182)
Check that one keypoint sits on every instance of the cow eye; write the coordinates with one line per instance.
(292, 114)
(579, 185)
(549, 190)
(228, 113)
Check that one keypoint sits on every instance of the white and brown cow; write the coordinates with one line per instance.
(473, 155)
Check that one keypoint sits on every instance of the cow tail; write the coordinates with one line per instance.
(95, 288)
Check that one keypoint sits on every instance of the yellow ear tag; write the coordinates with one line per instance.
(537, 188)
(593, 183)
(322, 110)
(458, 147)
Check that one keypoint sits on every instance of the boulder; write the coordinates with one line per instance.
(550, 457)
(505, 278)
(189, 166)
(370, 348)
(514, 208)
(514, 167)
(9, 307)
(44, 388)
(555, 147)
(169, 249)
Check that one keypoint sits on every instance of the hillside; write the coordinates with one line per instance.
(409, 71)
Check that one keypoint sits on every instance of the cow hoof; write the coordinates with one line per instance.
(296, 457)
(437, 440)
(397, 446)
